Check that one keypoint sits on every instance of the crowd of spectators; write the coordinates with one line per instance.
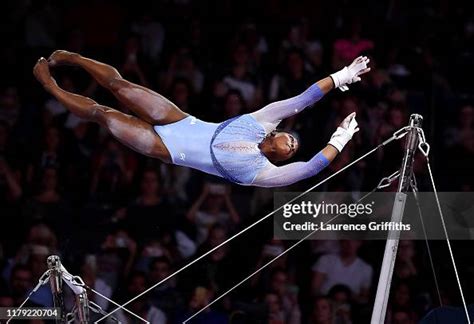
(125, 222)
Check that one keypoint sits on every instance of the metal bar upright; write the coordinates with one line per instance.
(391, 246)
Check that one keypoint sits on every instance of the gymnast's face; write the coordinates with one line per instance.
(282, 146)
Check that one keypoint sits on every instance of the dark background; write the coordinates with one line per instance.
(116, 217)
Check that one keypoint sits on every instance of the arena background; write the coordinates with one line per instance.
(123, 221)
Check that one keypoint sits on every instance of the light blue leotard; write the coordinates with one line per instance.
(234, 149)
(188, 143)
(230, 149)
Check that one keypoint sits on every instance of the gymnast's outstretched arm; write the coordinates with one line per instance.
(273, 113)
(276, 111)
(273, 176)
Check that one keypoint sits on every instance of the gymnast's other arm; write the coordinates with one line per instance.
(272, 114)
(282, 146)
(274, 176)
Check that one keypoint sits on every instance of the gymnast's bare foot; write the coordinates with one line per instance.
(61, 57)
(42, 74)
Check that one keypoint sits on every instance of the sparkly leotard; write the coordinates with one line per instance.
(230, 149)
(234, 149)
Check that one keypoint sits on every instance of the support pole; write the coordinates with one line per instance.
(391, 247)
(56, 283)
(82, 303)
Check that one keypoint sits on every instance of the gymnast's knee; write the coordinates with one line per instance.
(98, 114)
(117, 83)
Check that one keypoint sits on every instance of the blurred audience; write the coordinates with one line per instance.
(137, 284)
(213, 206)
(68, 188)
(343, 268)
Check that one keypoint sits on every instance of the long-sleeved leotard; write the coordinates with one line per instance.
(270, 116)
(273, 176)
(231, 149)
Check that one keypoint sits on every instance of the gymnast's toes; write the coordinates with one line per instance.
(41, 71)
(59, 57)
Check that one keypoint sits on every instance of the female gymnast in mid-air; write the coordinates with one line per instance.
(241, 149)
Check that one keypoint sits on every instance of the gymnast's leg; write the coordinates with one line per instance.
(147, 104)
(129, 130)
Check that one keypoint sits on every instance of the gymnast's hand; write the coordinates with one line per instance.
(350, 74)
(347, 128)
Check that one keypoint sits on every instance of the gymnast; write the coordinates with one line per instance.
(242, 149)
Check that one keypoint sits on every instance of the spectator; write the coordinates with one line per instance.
(132, 65)
(287, 295)
(116, 257)
(152, 249)
(234, 104)
(38, 265)
(80, 144)
(175, 181)
(293, 81)
(217, 271)
(30, 262)
(182, 66)
(25, 274)
(213, 206)
(48, 205)
(406, 268)
(315, 54)
(298, 37)
(136, 284)
(171, 243)
(40, 237)
(181, 94)
(347, 49)
(150, 211)
(51, 154)
(113, 171)
(166, 296)
(200, 297)
(49, 201)
(42, 26)
(401, 317)
(343, 268)
(402, 300)
(42, 234)
(340, 296)
(20, 283)
(250, 35)
(276, 315)
(395, 118)
(152, 36)
(239, 77)
(270, 250)
(88, 273)
(321, 311)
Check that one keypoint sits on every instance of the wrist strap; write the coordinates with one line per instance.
(340, 138)
(340, 77)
